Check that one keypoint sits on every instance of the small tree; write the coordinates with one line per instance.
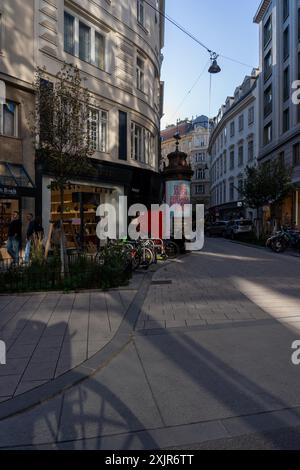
(61, 131)
(265, 184)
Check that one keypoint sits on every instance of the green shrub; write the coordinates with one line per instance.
(84, 273)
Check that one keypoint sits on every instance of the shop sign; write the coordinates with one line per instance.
(8, 191)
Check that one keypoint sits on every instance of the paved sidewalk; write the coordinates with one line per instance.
(49, 334)
(230, 288)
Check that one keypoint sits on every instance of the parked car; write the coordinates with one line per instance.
(217, 229)
(235, 228)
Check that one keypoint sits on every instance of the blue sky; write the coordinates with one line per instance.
(226, 26)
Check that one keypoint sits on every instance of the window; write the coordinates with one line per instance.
(84, 41)
(99, 50)
(285, 9)
(140, 143)
(9, 119)
(98, 129)
(240, 188)
(268, 101)
(140, 73)
(232, 129)
(268, 31)
(140, 12)
(225, 162)
(231, 159)
(122, 135)
(241, 155)
(296, 154)
(231, 191)
(241, 123)
(200, 189)
(286, 43)
(268, 133)
(250, 150)
(200, 174)
(251, 116)
(286, 120)
(268, 65)
(286, 84)
(69, 33)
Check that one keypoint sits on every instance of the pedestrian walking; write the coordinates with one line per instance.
(14, 237)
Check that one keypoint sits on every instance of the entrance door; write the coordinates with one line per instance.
(7, 207)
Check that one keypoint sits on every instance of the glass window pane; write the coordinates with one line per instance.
(100, 50)
(20, 176)
(9, 119)
(69, 42)
(6, 178)
(84, 42)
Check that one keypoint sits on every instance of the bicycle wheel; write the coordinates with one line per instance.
(171, 250)
(148, 257)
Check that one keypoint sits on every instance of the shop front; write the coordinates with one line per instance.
(17, 194)
(79, 213)
(105, 184)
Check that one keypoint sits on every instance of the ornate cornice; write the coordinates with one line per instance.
(263, 7)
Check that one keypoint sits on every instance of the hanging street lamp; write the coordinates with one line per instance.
(214, 66)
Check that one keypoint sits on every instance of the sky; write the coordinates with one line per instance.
(225, 26)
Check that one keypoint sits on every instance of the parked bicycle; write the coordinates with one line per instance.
(281, 241)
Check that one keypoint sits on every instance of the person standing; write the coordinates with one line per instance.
(14, 237)
(29, 235)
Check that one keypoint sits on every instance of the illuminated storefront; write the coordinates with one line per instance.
(16, 187)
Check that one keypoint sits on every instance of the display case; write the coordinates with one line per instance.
(80, 220)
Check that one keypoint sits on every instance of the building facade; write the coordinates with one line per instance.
(200, 162)
(233, 146)
(117, 47)
(279, 117)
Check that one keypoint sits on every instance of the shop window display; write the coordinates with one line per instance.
(80, 220)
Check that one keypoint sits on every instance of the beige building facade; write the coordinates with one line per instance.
(116, 44)
(279, 116)
(17, 168)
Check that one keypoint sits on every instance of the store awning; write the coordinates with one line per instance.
(15, 181)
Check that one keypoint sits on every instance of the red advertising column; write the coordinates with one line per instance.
(177, 178)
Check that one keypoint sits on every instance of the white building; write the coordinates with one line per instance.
(200, 161)
(233, 146)
(279, 118)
